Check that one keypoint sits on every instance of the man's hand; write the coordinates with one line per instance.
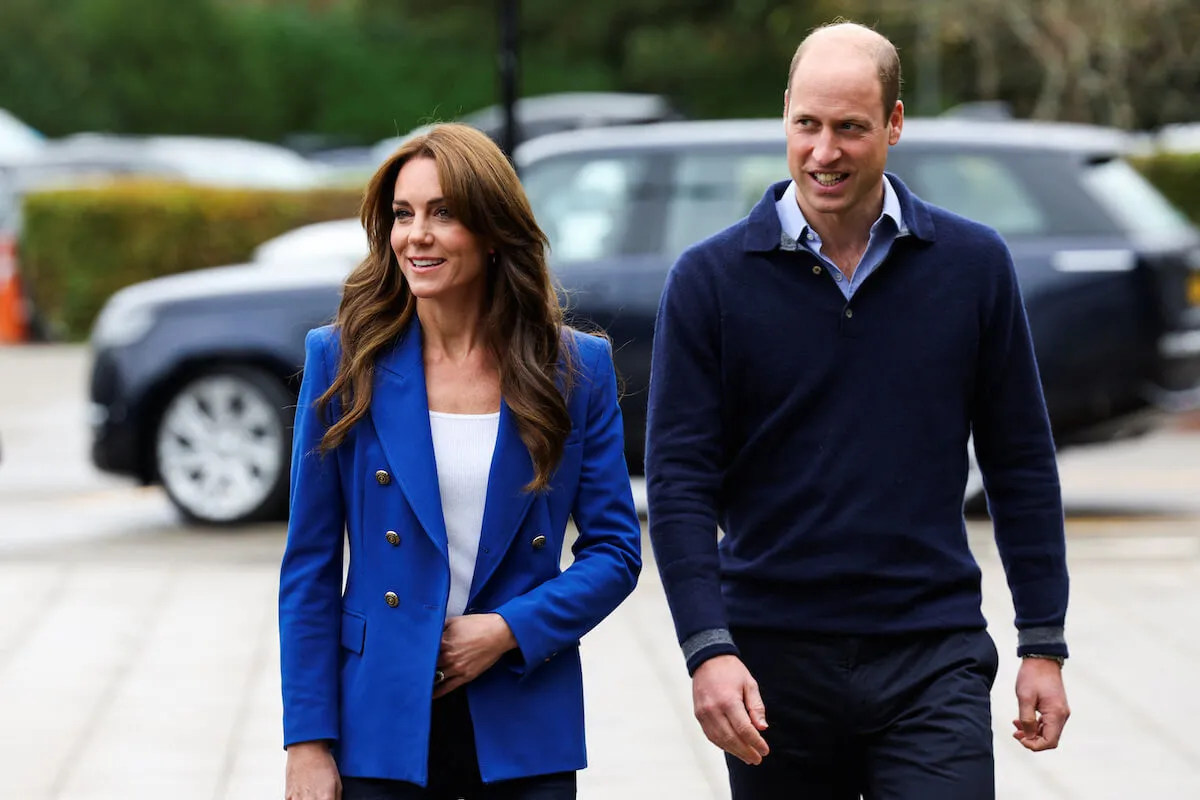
(1041, 704)
(470, 645)
(311, 773)
(729, 708)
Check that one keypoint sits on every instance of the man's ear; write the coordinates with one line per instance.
(896, 123)
(786, 100)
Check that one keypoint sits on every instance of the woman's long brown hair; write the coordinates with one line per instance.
(525, 330)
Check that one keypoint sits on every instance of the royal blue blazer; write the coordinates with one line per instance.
(358, 663)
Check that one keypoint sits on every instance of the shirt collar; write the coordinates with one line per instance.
(794, 225)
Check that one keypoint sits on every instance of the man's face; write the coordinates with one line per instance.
(837, 137)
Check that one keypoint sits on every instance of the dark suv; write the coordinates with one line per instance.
(197, 389)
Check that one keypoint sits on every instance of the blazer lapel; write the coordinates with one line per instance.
(400, 414)
(507, 502)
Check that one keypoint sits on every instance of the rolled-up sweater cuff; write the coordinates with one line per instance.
(1042, 641)
(700, 647)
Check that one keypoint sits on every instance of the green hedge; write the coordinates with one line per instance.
(1178, 177)
(79, 246)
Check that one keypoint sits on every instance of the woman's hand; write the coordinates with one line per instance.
(312, 773)
(470, 645)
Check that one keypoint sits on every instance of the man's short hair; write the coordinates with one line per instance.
(882, 52)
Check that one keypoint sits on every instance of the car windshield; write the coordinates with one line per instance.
(1133, 202)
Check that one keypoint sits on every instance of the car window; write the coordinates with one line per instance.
(977, 186)
(1132, 201)
(585, 204)
(713, 190)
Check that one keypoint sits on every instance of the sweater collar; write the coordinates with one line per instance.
(764, 232)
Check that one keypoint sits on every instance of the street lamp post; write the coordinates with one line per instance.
(929, 59)
(508, 73)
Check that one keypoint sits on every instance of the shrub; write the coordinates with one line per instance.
(80, 245)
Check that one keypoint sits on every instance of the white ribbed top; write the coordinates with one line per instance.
(462, 447)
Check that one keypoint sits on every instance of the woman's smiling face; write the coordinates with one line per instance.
(438, 256)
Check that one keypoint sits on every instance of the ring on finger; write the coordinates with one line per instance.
(438, 677)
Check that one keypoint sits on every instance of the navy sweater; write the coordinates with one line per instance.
(828, 438)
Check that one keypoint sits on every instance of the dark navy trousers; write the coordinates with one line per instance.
(454, 767)
(879, 718)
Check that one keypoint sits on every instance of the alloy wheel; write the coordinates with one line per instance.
(221, 448)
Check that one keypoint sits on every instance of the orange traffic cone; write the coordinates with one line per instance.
(14, 327)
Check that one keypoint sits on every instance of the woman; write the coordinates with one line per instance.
(449, 423)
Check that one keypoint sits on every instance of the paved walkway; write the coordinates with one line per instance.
(139, 659)
(146, 667)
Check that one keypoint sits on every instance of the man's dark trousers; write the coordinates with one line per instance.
(882, 718)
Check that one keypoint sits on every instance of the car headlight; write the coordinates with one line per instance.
(121, 324)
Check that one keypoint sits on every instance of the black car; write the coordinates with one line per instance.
(195, 375)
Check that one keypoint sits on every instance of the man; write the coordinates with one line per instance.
(818, 370)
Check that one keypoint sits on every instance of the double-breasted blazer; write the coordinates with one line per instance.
(358, 660)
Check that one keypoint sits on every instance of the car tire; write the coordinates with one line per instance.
(222, 446)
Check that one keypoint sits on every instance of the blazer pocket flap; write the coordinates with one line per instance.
(354, 631)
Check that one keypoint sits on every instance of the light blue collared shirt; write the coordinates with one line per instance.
(886, 230)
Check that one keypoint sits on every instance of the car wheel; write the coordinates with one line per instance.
(223, 447)
(974, 499)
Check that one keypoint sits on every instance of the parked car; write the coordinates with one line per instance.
(195, 375)
(90, 159)
(554, 113)
(200, 160)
